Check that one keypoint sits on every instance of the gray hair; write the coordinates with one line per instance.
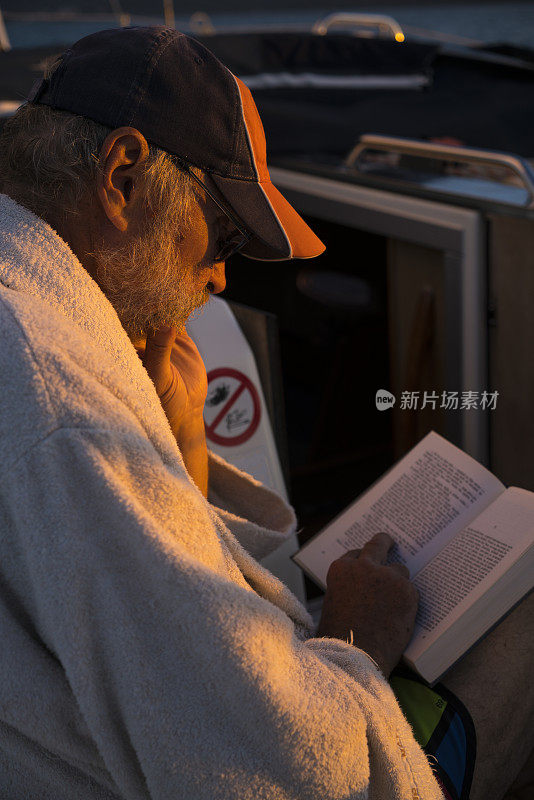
(49, 161)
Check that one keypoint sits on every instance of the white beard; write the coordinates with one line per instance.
(146, 283)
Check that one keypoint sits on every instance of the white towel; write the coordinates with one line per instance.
(145, 652)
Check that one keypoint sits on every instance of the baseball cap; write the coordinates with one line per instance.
(186, 102)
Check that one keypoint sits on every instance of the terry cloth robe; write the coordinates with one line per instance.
(145, 653)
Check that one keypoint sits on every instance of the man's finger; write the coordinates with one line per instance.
(402, 568)
(352, 553)
(378, 547)
(157, 356)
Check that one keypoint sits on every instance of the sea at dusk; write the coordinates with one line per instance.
(31, 24)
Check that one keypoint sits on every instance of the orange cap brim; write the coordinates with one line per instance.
(279, 232)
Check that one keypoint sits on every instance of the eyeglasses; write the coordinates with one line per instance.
(239, 238)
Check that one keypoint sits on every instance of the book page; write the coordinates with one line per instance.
(471, 563)
(422, 502)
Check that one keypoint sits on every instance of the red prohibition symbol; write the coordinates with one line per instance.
(240, 411)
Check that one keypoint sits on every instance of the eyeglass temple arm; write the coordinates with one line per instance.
(231, 216)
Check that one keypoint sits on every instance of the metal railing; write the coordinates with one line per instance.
(445, 152)
(361, 24)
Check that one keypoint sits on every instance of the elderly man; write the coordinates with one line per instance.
(145, 652)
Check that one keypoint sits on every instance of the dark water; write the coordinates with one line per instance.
(487, 22)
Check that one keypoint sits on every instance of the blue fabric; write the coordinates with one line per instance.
(451, 746)
(451, 753)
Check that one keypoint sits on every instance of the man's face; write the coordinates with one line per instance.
(159, 277)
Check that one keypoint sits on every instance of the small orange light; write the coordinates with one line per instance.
(399, 37)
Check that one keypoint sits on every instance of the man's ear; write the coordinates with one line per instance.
(122, 161)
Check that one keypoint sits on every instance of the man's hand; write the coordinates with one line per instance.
(377, 602)
(179, 375)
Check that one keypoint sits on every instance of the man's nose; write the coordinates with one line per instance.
(218, 278)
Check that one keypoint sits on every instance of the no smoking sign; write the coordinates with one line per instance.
(232, 411)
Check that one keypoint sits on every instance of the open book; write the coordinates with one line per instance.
(466, 539)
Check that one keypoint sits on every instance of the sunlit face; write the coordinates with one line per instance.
(160, 277)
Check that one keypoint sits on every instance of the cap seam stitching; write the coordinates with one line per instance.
(280, 223)
(60, 75)
(239, 105)
(237, 115)
(237, 177)
(146, 67)
(247, 135)
(211, 171)
(171, 37)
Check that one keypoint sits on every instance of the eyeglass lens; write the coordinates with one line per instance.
(230, 246)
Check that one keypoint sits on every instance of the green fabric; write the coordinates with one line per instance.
(421, 706)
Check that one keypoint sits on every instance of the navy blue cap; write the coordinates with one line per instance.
(184, 100)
